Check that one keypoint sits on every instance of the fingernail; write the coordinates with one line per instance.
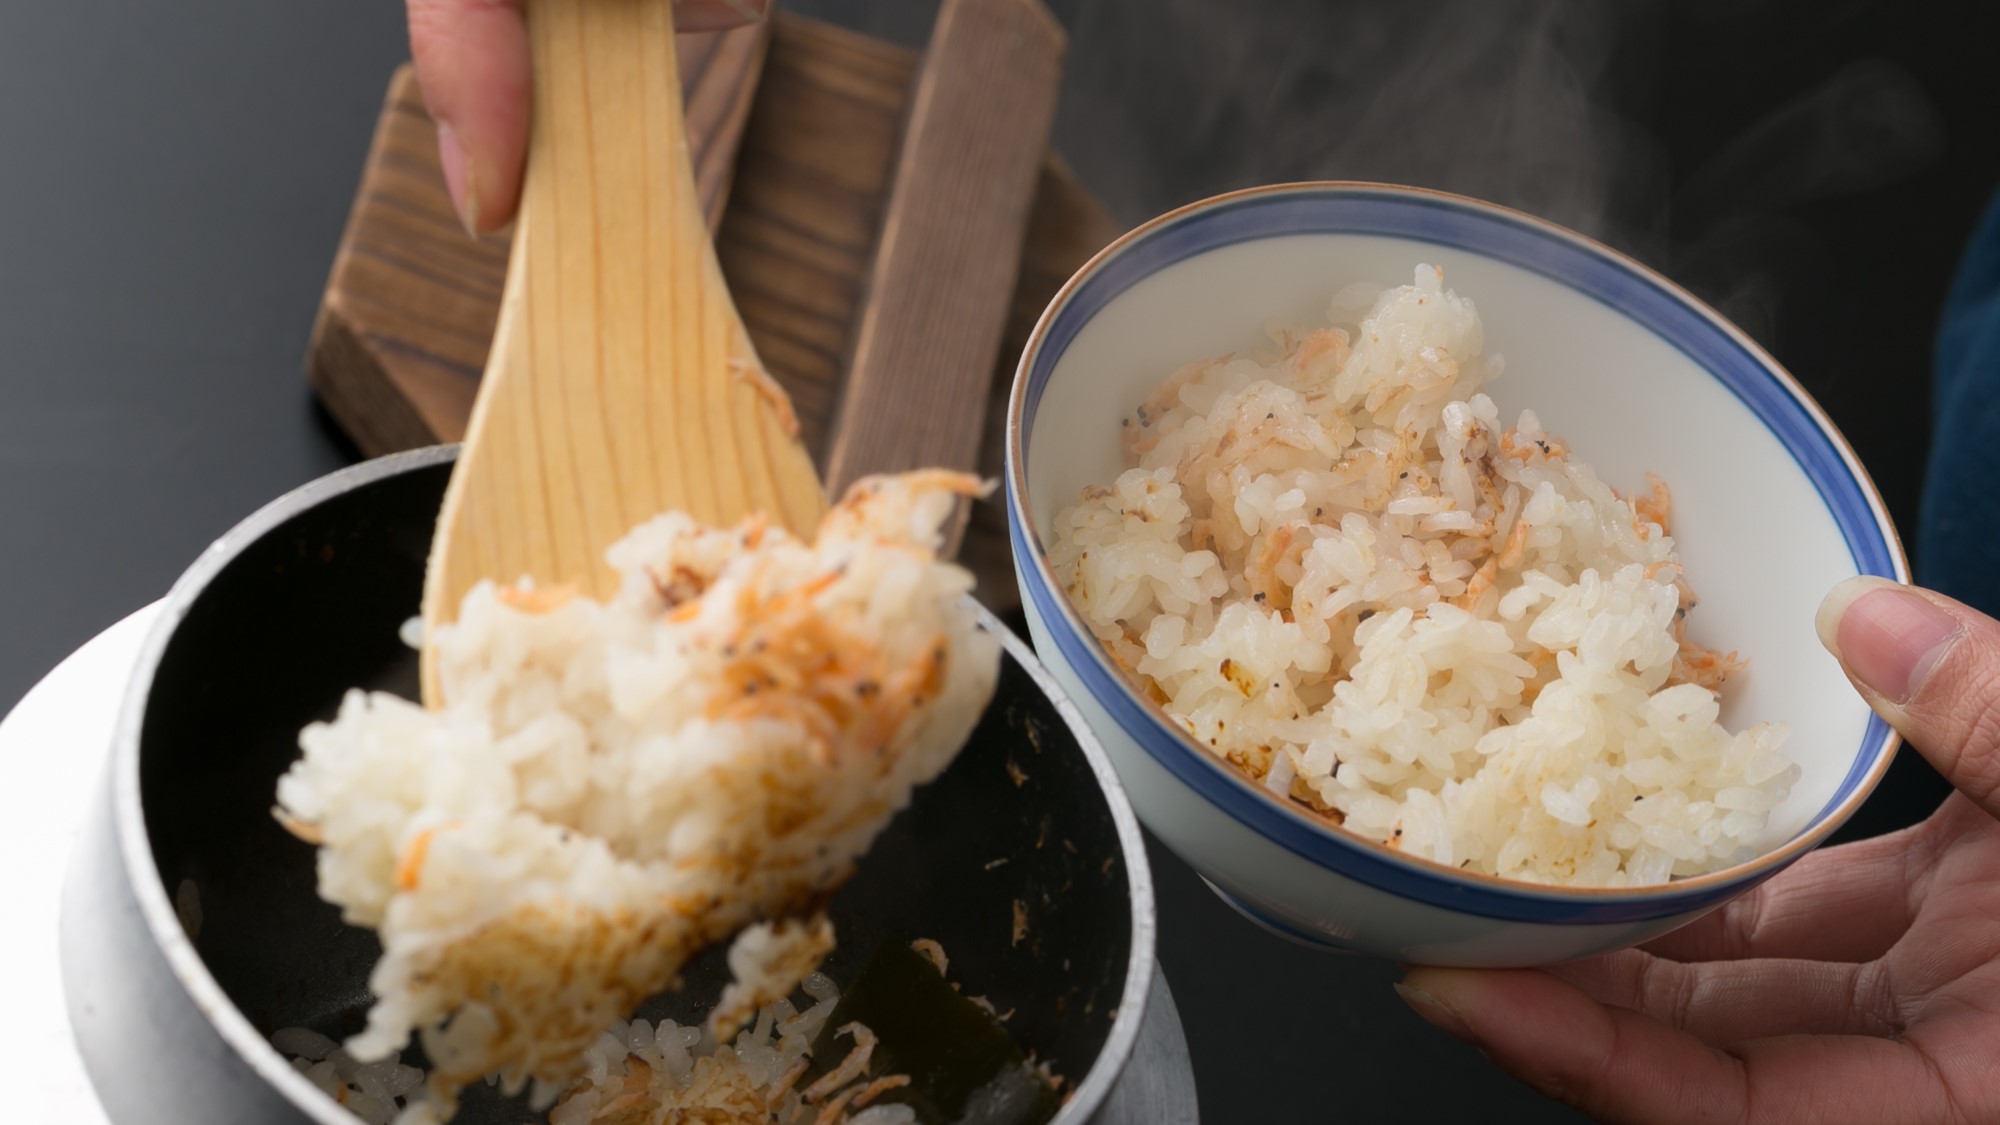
(1889, 637)
(458, 178)
(1435, 1013)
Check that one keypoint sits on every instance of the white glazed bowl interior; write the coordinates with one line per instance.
(1770, 507)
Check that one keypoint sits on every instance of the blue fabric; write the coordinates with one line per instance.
(1958, 544)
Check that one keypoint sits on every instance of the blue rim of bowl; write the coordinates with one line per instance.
(1459, 223)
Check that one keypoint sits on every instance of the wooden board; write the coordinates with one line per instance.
(949, 247)
(404, 326)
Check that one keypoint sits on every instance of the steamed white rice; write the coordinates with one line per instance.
(1335, 567)
(610, 788)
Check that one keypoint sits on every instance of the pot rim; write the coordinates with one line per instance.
(155, 907)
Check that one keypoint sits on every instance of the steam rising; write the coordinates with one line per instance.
(1522, 102)
(1866, 126)
(1495, 98)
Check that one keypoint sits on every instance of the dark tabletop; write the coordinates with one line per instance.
(176, 175)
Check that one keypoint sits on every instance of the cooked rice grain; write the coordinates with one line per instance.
(636, 1073)
(1336, 569)
(609, 788)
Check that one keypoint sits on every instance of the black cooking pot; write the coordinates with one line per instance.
(303, 601)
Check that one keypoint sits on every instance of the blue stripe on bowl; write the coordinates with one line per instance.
(1545, 250)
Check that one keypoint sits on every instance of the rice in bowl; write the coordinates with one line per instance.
(1333, 566)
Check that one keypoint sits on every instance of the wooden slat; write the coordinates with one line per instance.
(949, 251)
(1066, 226)
(719, 81)
(811, 178)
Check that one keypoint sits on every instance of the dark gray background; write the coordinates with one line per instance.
(176, 175)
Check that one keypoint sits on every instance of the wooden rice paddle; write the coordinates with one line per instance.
(621, 383)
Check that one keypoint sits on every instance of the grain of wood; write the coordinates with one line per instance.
(718, 82)
(1065, 228)
(621, 382)
(812, 178)
(948, 255)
